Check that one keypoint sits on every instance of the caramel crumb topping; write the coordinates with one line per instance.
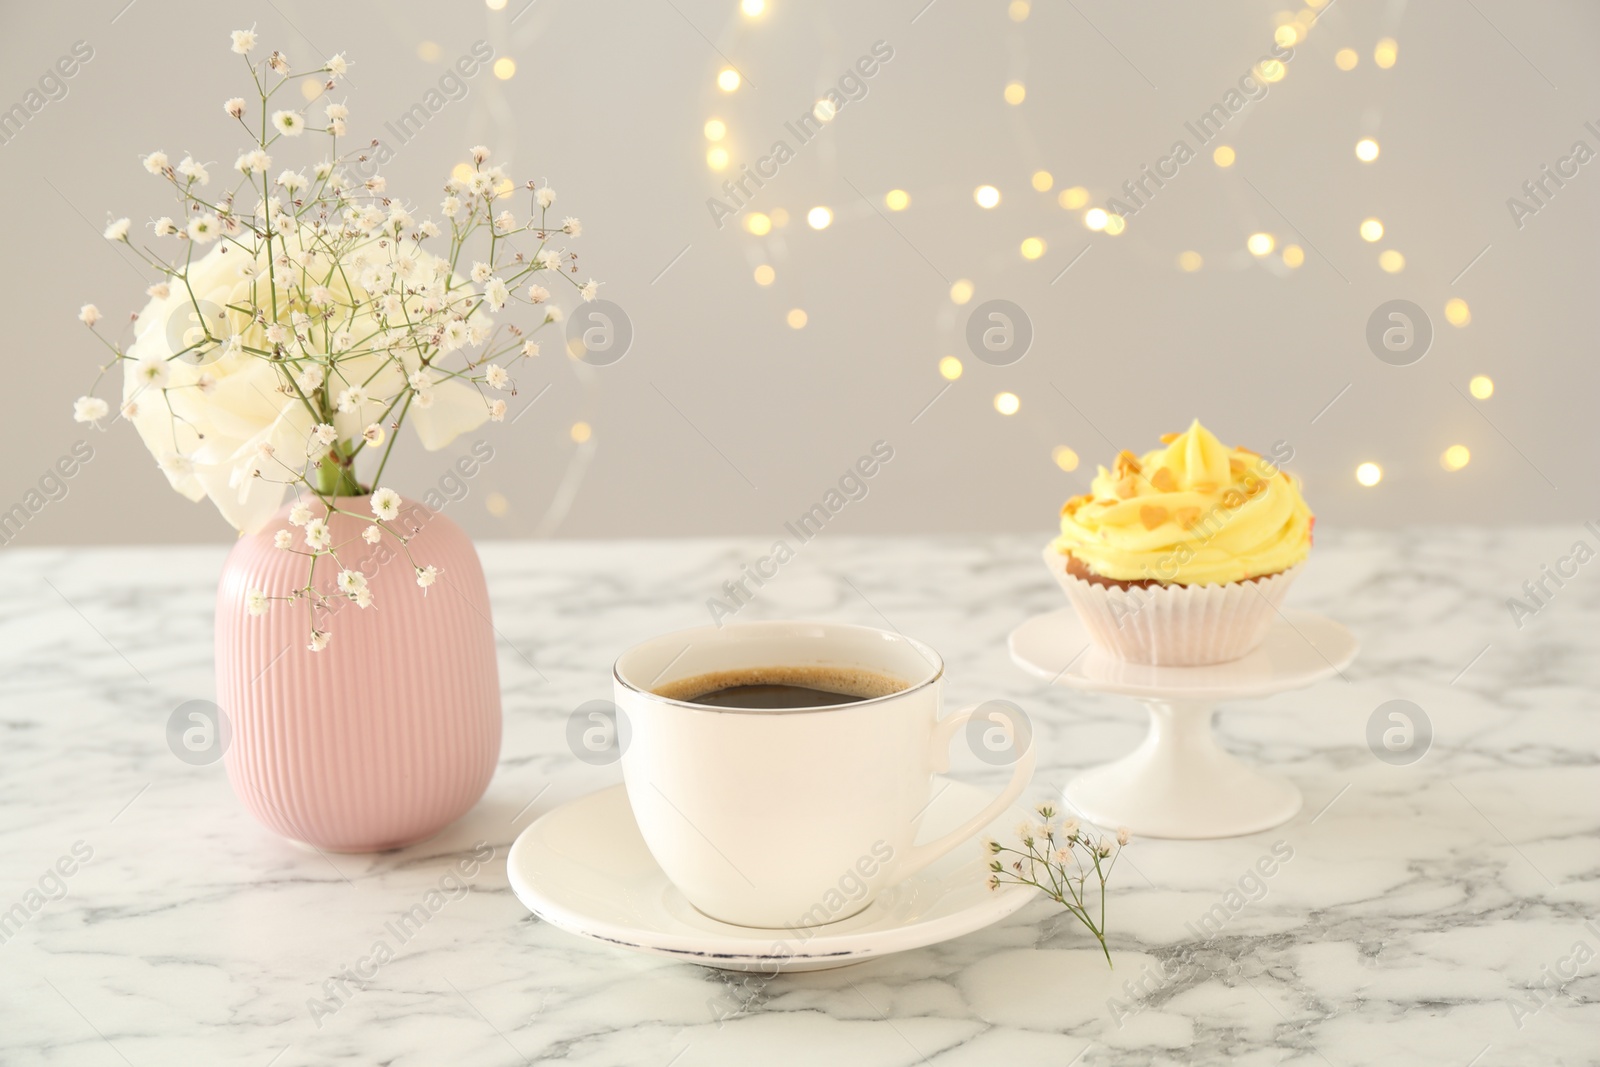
(1152, 515)
(1168, 438)
(1127, 463)
(1186, 517)
(1127, 489)
(1163, 480)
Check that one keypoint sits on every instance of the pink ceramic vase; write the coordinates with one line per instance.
(390, 732)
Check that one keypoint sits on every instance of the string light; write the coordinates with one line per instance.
(1456, 312)
(1064, 457)
(753, 8)
(1223, 156)
(1043, 180)
(1391, 261)
(1482, 387)
(765, 274)
(897, 200)
(1271, 70)
(950, 368)
(1016, 93)
(960, 291)
(716, 157)
(728, 80)
(1095, 218)
(1261, 244)
(758, 224)
(716, 129)
(1032, 248)
(1366, 150)
(1346, 58)
(1371, 229)
(796, 318)
(1293, 256)
(1287, 35)
(1190, 261)
(1386, 52)
(581, 432)
(1074, 198)
(1007, 403)
(1369, 474)
(1455, 457)
(504, 68)
(819, 218)
(986, 196)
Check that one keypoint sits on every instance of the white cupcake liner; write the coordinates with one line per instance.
(1175, 625)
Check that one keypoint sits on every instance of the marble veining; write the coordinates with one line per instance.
(1442, 912)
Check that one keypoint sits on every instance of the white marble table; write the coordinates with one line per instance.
(1422, 907)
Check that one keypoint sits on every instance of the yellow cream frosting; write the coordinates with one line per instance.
(1194, 512)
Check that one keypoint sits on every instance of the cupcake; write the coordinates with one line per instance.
(1182, 556)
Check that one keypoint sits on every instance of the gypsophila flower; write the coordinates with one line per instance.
(386, 504)
(497, 411)
(571, 226)
(317, 534)
(244, 40)
(373, 434)
(89, 409)
(299, 514)
(479, 153)
(256, 602)
(152, 370)
(323, 433)
(156, 162)
(450, 206)
(279, 63)
(203, 229)
(283, 539)
(1060, 867)
(234, 106)
(349, 581)
(505, 222)
(195, 172)
(545, 196)
(310, 379)
(117, 231)
(372, 534)
(538, 294)
(337, 64)
(552, 314)
(161, 290)
(548, 259)
(253, 162)
(530, 349)
(481, 272)
(88, 314)
(589, 290)
(164, 227)
(496, 377)
(319, 640)
(427, 575)
(352, 398)
(496, 294)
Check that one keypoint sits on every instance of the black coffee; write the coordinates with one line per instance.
(781, 688)
(771, 697)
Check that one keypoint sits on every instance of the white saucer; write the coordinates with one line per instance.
(1179, 783)
(584, 868)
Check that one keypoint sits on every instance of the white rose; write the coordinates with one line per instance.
(222, 430)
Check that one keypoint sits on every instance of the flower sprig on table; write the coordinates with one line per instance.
(1059, 858)
(284, 344)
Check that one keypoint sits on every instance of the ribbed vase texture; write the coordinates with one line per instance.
(392, 731)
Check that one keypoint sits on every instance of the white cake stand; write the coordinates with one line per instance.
(1179, 783)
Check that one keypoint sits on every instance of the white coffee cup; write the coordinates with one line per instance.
(790, 818)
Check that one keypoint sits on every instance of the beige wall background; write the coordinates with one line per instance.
(723, 419)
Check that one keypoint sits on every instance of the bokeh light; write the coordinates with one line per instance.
(1190, 261)
(1261, 244)
(950, 368)
(1032, 248)
(1043, 180)
(824, 110)
(1293, 256)
(819, 218)
(1018, 10)
(1386, 52)
(897, 200)
(728, 80)
(1455, 457)
(796, 318)
(986, 196)
(428, 51)
(504, 68)
(581, 432)
(1007, 403)
(1369, 474)
(960, 291)
(1115, 224)
(753, 8)
(1391, 261)
(716, 157)
(1224, 156)
(716, 129)
(1482, 386)
(1095, 219)
(765, 274)
(497, 505)
(1016, 93)
(758, 224)
(1346, 58)
(1456, 312)
(1064, 457)
(1074, 198)
(1366, 150)
(1371, 229)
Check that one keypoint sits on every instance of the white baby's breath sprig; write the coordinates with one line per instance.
(1060, 859)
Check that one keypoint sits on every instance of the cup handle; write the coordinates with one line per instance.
(1022, 773)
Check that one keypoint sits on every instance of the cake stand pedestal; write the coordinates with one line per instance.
(1179, 783)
